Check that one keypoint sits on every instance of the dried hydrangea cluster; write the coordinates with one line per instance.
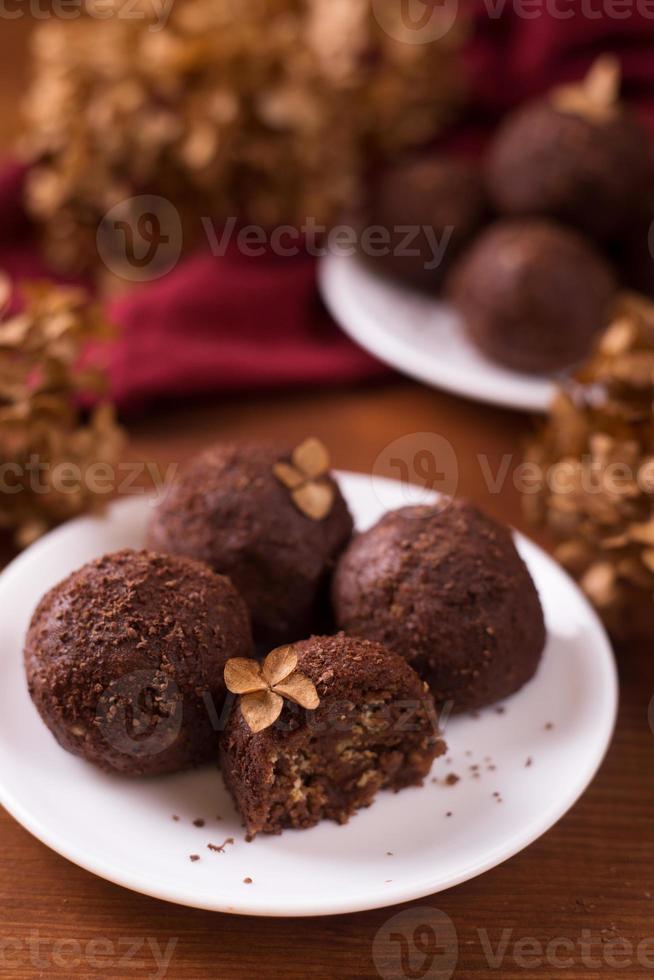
(268, 110)
(596, 461)
(46, 448)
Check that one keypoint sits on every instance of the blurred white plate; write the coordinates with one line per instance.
(421, 336)
(123, 829)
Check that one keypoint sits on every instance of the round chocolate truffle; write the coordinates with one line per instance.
(372, 726)
(444, 587)
(428, 208)
(274, 521)
(533, 295)
(125, 660)
(588, 171)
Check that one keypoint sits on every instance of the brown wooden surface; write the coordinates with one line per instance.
(590, 878)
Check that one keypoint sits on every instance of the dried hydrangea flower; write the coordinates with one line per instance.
(263, 687)
(596, 457)
(306, 477)
(221, 115)
(42, 429)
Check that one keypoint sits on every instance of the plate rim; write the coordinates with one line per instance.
(395, 353)
(336, 905)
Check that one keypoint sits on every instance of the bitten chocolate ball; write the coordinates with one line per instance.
(375, 727)
(429, 208)
(274, 521)
(445, 588)
(125, 660)
(533, 295)
(579, 158)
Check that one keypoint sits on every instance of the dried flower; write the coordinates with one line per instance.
(595, 97)
(596, 456)
(262, 688)
(265, 110)
(41, 426)
(306, 478)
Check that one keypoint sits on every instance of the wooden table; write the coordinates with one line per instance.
(585, 889)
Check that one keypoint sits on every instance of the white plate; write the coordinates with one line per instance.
(123, 829)
(421, 336)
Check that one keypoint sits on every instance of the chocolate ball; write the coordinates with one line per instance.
(445, 588)
(585, 171)
(125, 660)
(533, 295)
(232, 509)
(375, 727)
(429, 208)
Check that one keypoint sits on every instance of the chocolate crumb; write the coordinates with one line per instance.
(449, 813)
(389, 854)
(549, 726)
(194, 857)
(452, 779)
(247, 881)
(529, 762)
(175, 817)
(220, 848)
(199, 822)
(500, 710)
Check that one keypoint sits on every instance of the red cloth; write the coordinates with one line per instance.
(231, 322)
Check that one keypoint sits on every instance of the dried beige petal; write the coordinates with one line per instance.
(618, 337)
(602, 83)
(315, 500)
(596, 97)
(642, 533)
(300, 689)
(261, 709)
(243, 676)
(279, 664)
(5, 291)
(599, 584)
(288, 475)
(312, 458)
